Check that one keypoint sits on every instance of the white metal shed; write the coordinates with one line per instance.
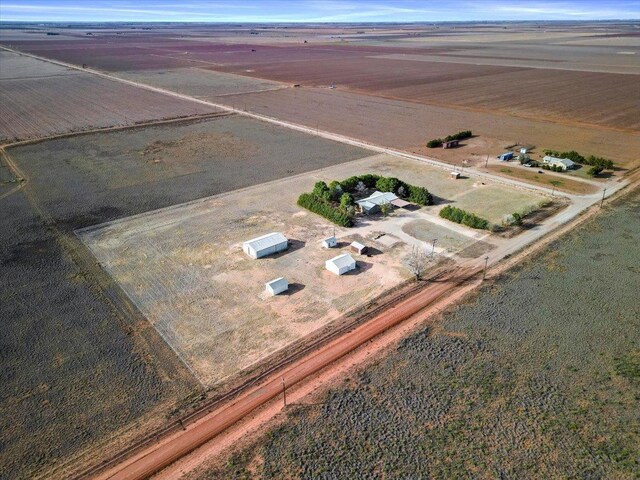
(358, 247)
(329, 242)
(276, 286)
(341, 264)
(265, 245)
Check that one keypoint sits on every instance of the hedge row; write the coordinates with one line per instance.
(437, 142)
(458, 215)
(324, 209)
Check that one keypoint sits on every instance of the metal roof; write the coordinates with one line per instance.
(565, 161)
(377, 198)
(358, 245)
(343, 260)
(266, 241)
(280, 281)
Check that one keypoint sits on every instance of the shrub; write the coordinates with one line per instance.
(419, 195)
(595, 170)
(346, 200)
(318, 205)
(437, 142)
(387, 184)
(458, 215)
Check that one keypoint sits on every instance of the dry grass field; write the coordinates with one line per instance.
(178, 265)
(38, 99)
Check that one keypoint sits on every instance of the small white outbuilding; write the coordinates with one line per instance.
(276, 286)
(330, 242)
(358, 248)
(341, 264)
(265, 245)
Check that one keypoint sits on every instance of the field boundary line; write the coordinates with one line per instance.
(301, 128)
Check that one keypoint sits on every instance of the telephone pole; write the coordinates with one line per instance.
(284, 392)
(484, 273)
(602, 201)
(433, 246)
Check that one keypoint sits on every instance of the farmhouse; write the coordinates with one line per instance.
(265, 245)
(372, 204)
(330, 242)
(276, 286)
(358, 248)
(563, 163)
(341, 264)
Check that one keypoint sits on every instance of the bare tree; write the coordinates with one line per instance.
(417, 261)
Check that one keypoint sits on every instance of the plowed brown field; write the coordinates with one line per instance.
(407, 125)
(63, 101)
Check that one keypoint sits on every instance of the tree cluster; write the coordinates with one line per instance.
(320, 206)
(335, 201)
(458, 215)
(437, 142)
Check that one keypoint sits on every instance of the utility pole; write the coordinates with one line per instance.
(284, 392)
(484, 274)
(602, 201)
(486, 164)
(433, 246)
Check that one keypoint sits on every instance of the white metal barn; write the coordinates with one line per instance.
(279, 285)
(341, 264)
(329, 242)
(265, 245)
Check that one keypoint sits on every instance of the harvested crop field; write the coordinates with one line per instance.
(613, 99)
(496, 388)
(201, 83)
(59, 100)
(408, 126)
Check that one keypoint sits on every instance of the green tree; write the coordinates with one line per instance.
(386, 208)
(388, 184)
(346, 200)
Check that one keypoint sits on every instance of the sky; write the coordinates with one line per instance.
(263, 11)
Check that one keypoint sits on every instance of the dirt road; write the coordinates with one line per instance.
(156, 458)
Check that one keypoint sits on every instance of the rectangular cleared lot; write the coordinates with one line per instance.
(179, 265)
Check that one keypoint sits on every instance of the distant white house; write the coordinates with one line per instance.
(563, 163)
(341, 264)
(265, 245)
(358, 247)
(279, 285)
(330, 242)
(372, 203)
